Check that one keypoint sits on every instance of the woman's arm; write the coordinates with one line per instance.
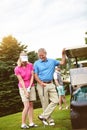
(32, 79)
(23, 85)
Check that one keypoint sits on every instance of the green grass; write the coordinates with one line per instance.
(61, 117)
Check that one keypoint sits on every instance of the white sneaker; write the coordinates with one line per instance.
(40, 117)
(51, 123)
(24, 126)
(43, 120)
(67, 107)
(33, 125)
(60, 108)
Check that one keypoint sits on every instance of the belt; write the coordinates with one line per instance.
(47, 82)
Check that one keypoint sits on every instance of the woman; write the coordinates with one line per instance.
(24, 73)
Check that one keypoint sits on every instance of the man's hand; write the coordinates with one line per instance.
(43, 84)
(63, 51)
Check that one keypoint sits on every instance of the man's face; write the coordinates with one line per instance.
(42, 56)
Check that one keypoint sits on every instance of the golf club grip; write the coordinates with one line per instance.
(43, 91)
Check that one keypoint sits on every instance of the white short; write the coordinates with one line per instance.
(32, 95)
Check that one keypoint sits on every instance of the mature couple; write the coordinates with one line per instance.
(42, 71)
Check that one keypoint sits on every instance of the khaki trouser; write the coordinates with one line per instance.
(50, 99)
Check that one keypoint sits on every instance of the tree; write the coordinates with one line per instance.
(32, 56)
(10, 49)
(86, 38)
(9, 52)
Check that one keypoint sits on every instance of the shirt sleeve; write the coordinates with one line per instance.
(16, 70)
(35, 68)
(57, 62)
(55, 75)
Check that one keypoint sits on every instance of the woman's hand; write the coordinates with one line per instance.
(27, 94)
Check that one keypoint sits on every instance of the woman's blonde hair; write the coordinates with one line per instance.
(19, 62)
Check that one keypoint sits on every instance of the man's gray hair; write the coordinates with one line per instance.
(42, 50)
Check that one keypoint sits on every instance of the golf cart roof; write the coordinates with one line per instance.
(79, 51)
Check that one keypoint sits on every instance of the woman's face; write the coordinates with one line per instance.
(23, 63)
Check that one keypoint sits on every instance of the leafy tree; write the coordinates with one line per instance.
(10, 49)
(9, 52)
(86, 38)
(32, 56)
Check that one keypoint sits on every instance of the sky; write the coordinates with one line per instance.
(49, 24)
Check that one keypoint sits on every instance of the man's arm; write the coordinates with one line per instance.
(39, 81)
(63, 61)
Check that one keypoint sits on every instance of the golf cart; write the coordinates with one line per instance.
(78, 86)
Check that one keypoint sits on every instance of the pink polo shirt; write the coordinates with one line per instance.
(25, 73)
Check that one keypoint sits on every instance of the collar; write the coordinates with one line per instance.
(43, 61)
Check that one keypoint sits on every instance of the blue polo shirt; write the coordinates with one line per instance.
(45, 69)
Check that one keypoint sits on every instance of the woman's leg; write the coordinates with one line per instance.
(30, 112)
(25, 112)
(30, 115)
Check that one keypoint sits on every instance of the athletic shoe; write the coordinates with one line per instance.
(60, 108)
(24, 126)
(40, 117)
(33, 125)
(43, 120)
(67, 107)
(51, 123)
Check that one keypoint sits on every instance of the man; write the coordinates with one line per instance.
(44, 69)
